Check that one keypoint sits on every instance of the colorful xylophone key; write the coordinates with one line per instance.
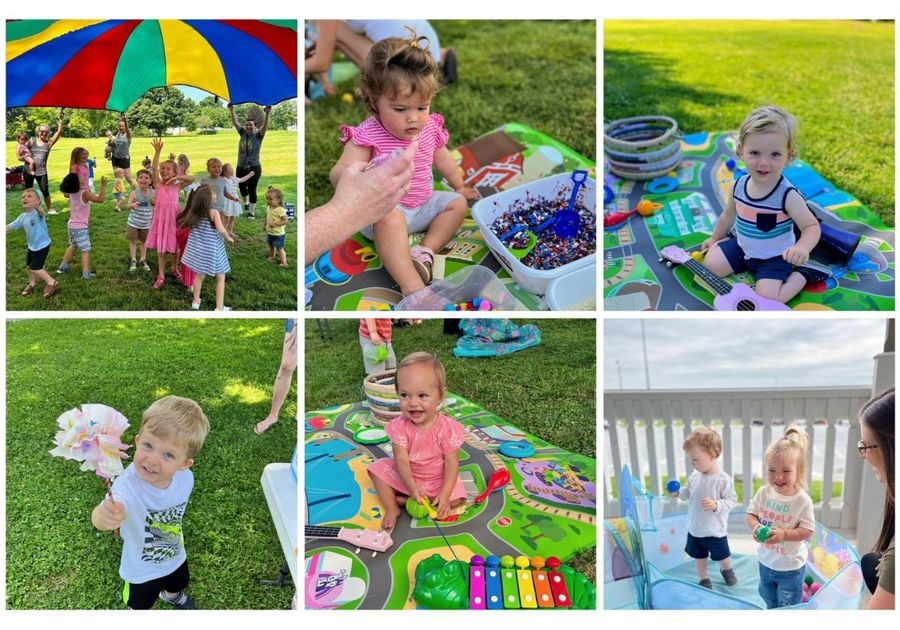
(541, 583)
(510, 583)
(526, 586)
(477, 593)
(558, 584)
(493, 590)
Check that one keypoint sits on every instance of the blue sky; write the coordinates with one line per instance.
(720, 353)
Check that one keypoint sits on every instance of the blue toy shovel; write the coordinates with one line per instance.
(568, 221)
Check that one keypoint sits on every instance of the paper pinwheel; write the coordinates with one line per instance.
(92, 435)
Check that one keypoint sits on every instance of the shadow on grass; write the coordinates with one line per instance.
(641, 84)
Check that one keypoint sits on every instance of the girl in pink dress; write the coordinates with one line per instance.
(163, 230)
(425, 443)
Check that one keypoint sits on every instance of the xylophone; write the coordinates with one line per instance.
(495, 584)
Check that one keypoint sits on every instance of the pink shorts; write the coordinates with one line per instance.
(386, 470)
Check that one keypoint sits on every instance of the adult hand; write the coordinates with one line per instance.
(267, 108)
(361, 198)
(230, 106)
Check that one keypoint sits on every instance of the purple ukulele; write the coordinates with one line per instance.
(729, 297)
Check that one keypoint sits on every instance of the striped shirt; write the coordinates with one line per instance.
(205, 250)
(140, 218)
(383, 327)
(370, 133)
(764, 228)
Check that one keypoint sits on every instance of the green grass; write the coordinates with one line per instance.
(253, 284)
(837, 78)
(55, 559)
(542, 74)
(548, 390)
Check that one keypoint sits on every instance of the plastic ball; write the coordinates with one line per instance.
(730, 164)
(808, 580)
(449, 307)
(485, 306)
(762, 534)
(830, 565)
(673, 486)
(477, 302)
(818, 555)
(347, 97)
(805, 597)
(814, 588)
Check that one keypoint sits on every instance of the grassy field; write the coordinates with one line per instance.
(55, 559)
(837, 78)
(542, 74)
(253, 284)
(548, 390)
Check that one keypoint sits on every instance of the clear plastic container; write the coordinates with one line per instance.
(574, 291)
(462, 286)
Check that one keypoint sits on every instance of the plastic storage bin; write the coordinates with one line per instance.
(485, 211)
(568, 290)
(462, 286)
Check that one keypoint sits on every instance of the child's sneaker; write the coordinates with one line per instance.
(706, 583)
(423, 261)
(224, 308)
(52, 210)
(159, 281)
(180, 600)
(729, 577)
(145, 266)
(87, 275)
(133, 266)
(62, 268)
(195, 306)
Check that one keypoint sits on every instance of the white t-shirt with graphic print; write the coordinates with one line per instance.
(152, 534)
(776, 510)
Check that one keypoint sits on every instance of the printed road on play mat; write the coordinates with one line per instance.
(350, 277)
(634, 279)
(548, 509)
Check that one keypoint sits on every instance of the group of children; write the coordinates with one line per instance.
(782, 506)
(194, 234)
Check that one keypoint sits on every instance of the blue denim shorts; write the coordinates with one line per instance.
(707, 547)
(775, 268)
(276, 241)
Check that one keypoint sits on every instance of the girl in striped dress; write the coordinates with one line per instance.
(162, 236)
(205, 249)
(397, 84)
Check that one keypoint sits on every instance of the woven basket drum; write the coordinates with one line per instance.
(643, 147)
(384, 404)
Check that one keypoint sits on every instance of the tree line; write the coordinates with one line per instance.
(152, 114)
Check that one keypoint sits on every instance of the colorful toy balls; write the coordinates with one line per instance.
(478, 304)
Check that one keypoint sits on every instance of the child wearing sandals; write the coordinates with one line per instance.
(33, 221)
(397, 84)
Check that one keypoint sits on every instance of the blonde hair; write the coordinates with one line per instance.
(768, 119)
(706, 439)
(183, 161)
(792, 446)
(423, 357)
(213, 160)
(398, 63)
(227, 166)
(177, 419)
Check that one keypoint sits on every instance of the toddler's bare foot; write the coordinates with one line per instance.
(390, 517)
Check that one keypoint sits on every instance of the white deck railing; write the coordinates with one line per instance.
(636, 421)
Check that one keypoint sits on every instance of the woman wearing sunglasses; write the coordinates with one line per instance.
(876, 425)
(40, 151)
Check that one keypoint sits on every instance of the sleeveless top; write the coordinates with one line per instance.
(764, 228)
(40, 153)
(122, 146)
